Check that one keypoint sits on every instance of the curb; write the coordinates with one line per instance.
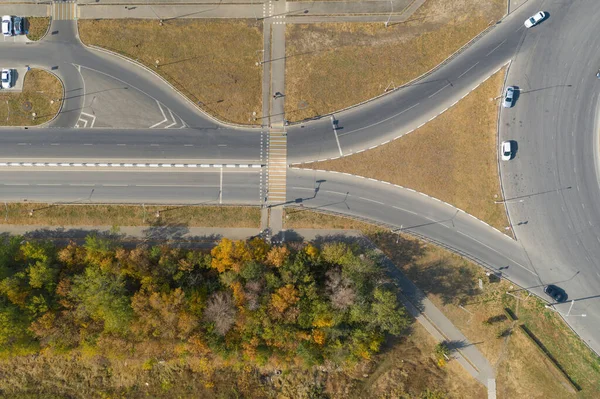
(408, 132)
(498, 158)
(139, 64)
(408, 189)
(411, 82)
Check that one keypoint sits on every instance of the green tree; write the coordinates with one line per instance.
(386, 314)
(102, 296)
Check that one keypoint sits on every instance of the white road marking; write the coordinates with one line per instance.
(221, 187)
(336, 136)
(90, 116)
(174, 121)
(465, 72)
(495, 48)
(370, 200)
(404, 210)
(448, 84)
(381, 121)
(499, 253)
(163, 114)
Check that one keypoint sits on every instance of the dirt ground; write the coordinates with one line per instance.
(40, 95)
(130, 215)
(331, 66)
(447, 158)
(213, 62)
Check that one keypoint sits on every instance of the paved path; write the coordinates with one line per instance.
(442, 329)
(191, 236)
(413, 298)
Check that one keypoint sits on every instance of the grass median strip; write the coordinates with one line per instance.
(331, 66)
(452, 158)
(130, 215)
(40, 96)
(37, 27)
(212, 62)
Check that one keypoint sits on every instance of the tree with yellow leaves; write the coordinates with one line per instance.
(277, 256)
(285, 297)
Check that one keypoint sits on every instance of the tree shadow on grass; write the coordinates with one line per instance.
(453, 284)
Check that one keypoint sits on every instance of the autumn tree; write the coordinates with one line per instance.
(230, 255)
(220, 310)
(162, 315)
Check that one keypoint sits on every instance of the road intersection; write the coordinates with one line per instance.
(555, 122)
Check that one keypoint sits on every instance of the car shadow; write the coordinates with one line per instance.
(515, 148)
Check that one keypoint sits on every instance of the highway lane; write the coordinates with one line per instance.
(199, 187)
(554, 180)
(395, 114)
(412, 213)
(208, 145)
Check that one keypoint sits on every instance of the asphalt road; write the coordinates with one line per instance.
(552, 183)
(80, 186)
(554, 172)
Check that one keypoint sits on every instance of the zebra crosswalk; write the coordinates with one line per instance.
(64, 10)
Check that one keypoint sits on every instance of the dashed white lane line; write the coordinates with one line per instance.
(448, 84)
(495, 48)
(404, 210)
(465, 72)
(370, 200)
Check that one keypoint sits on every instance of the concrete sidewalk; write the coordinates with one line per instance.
(441, 328)
(190, 236)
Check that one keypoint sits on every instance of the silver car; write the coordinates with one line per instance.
(509, 97)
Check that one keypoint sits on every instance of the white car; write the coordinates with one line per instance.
(506, 150)
(509, 96)
(6, 78)
(535, 19)
(7, 25)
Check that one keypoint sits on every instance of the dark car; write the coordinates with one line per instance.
(18, 27)
(556, 293)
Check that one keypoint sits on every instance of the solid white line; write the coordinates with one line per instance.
(221, 187)
(448, 84)
(163, 114)
(174, 121)
(381, 121)
(336, 136)
(499, 253)
(494, 49)
(465, 72)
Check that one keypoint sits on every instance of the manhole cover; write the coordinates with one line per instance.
(27, 106)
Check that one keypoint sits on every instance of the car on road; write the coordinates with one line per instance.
(509, 96)
(506, 150)
(6, 78)
(19, 25)
(556, 293)
(7, 25)
(535, 19)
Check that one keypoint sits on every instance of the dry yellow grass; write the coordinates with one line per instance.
(41, 92)
(450, 281)
(211, 61)
(130, 215)
(331, 66)
(452, 158)
(300, 218)
(36, 27)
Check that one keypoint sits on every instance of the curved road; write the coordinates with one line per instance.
(552, 185)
